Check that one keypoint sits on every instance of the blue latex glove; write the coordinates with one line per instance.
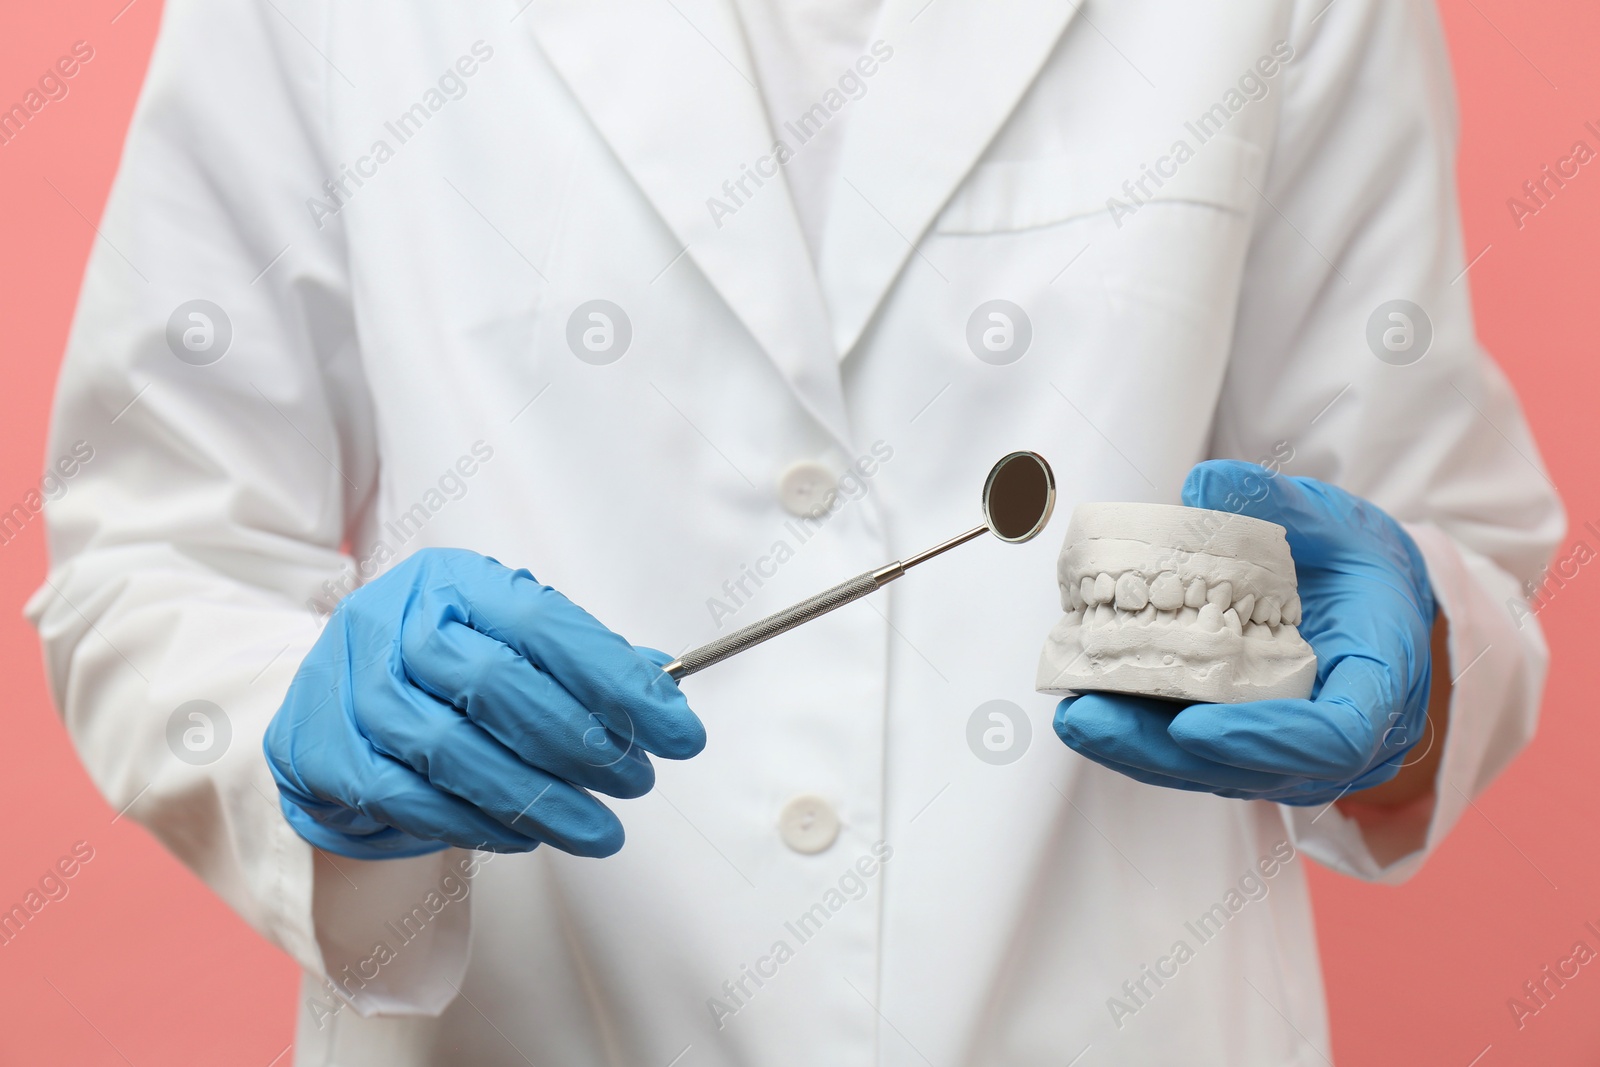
(1368, 612)
(454, 701)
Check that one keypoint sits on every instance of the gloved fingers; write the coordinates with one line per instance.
(523, 708)
(1379, 773)
(1330, 739)
(1334, 738)
(341, 782)
(395, 795)
(402, 798)
(1141, 775)
(347, 832)
(1316, 516)
(459, 758)
(1131, 732)
(656, 656)
(659, 659)
(600, 669)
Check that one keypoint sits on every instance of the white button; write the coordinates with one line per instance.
(806, 488)
(808, 824)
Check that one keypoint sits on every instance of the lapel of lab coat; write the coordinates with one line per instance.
(671, 88)
(958, 70)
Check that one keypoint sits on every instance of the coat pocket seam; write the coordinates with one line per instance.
(1013, 196)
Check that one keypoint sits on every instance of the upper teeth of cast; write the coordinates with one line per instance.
(1212, 606)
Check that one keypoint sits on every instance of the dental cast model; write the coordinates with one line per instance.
(1178, 603)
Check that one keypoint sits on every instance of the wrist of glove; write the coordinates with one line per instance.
(1367, 612)
(454, 701)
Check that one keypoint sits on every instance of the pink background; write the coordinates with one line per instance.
(139, 963)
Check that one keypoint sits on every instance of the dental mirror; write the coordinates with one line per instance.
(1018, 496)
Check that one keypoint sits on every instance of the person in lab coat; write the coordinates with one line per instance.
(403, 320)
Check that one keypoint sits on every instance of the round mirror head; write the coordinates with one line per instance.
(1019, 496)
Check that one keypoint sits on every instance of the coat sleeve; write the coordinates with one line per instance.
(1358, 208)
(218, 462)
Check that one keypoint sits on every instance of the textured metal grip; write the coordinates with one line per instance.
(775, 624)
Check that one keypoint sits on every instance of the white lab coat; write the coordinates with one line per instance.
(1224, 315)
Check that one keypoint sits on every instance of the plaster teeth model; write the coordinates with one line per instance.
(1178, 603)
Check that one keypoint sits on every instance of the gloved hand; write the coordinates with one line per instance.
(454, 701)
(1368, 613)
